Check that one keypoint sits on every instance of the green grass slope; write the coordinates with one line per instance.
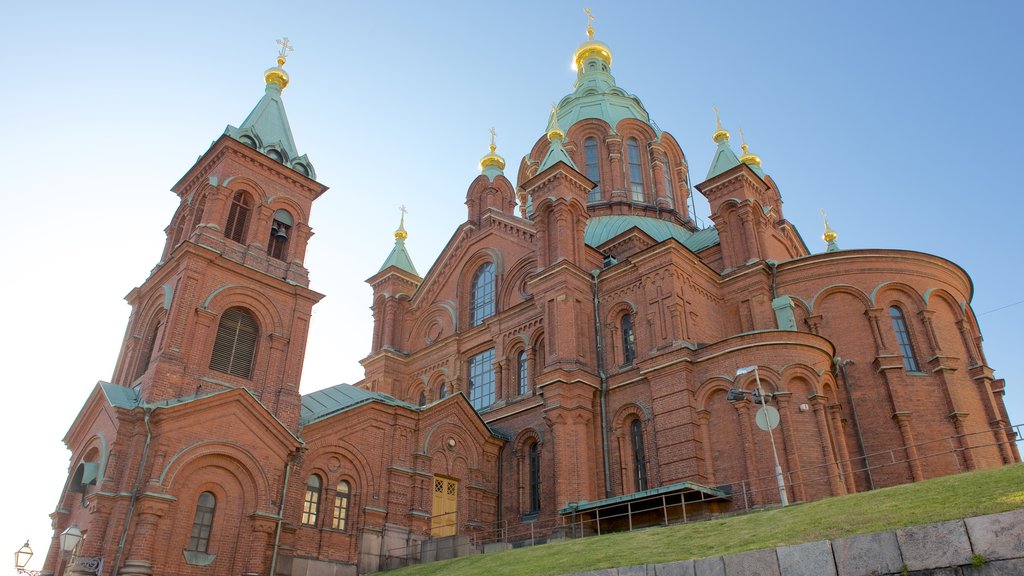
(960, 496)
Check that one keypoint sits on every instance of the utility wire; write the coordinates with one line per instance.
(1002, 307)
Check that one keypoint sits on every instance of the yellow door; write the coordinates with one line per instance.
(446, 503)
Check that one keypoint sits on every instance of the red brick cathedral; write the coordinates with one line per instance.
(581, 357)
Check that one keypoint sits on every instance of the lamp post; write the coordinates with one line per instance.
(775, 453)
(21, 558)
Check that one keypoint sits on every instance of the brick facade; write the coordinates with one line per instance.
(595, 364)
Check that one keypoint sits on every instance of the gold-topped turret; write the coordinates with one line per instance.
(830, 235)
(492, 159)
(554, 132)
(277, 75)
(591, 48)
(401, 234)
(721, 134)
(748, 157)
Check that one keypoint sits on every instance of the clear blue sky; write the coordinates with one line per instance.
(899, 118)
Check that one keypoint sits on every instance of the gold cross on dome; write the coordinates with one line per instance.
(590, 22)
(285, 47)
(493, 134)
(403, 210)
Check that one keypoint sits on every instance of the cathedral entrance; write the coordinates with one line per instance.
(445, 511)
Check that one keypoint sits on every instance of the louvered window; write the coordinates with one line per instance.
(235, 347)
(202, 524)
(238, 217)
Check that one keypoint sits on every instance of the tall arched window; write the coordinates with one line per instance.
(636, 434)
(899, 326)
(197, 215)
(522, 372)
(636, 176)
(628, 339)
(341, 495)
(422, 399)
(481, 379)
(277, 246)
(311, 504)
(202, 524)
(669, 192)
(152, 345)
(482, 294)
(235, 347)
(593, 167)
(238, 217)
(443, 392)
(534, 456)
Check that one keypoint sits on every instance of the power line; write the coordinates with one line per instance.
(1002, 307)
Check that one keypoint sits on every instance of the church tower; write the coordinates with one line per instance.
(228, 305)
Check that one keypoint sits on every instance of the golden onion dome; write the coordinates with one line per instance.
(401, 234)
(748, 157)
(721, 134)
(492, 158)
(592, 48)
(830, 235)
(277, 75)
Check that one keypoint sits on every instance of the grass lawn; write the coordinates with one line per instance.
(948, 498)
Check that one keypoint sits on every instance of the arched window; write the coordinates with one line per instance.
(199, 540)
(311, 505)
(423, 399)
(443, 392)
(238, 217)
(628, 339)
(593, 167)
(636, 177)
(636, 434)
(197, 215)
(152, 345)
(277, 247)
(522, 373)
(481, 379)
(341, 495)
(899, 326)
(235, 347)
(482, 294)
(669, 192)
(534, 456)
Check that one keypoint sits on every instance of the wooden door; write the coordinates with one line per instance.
(444, 515)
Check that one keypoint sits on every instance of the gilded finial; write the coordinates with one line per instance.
(748, 157)
(285, 49)
(553, 130)
(401, 234)
(492, 159)
(276, 75)
(721, 134)
(590, 23)
(830, 235)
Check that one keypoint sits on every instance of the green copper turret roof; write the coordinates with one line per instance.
(724, 159)
(556, 153)
(399, 257)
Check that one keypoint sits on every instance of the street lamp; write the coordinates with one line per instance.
(21, 558)
(70, 539)
(759, 398)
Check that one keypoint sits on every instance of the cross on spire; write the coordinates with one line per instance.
(590, 23)
(285, 47)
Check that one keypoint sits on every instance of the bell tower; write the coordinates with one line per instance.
(228, 305)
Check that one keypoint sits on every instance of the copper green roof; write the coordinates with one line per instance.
(329, 401)
(120, 396)
(601, 229)
(596, 96)
(399, 258)
(556, 153)
(266, 129)
(724, 159)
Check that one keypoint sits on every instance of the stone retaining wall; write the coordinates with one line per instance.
(990, 545)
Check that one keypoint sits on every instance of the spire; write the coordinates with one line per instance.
(266, 128)
(399, 257)
(492, 164)
(830, 235)
(749, 158)
(556, 152)
(724, 158)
